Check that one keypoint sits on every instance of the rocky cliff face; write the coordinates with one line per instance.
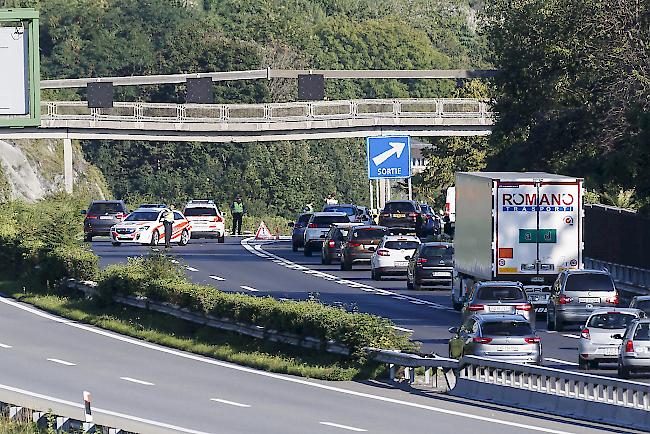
(33, 169)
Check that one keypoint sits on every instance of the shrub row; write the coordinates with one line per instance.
(158, 279)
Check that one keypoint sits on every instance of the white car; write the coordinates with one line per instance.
(318, 226)
(145, 226)
(207, 220)
(597, 343)
(392, 255)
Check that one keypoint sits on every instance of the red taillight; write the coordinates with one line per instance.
(447, 208)
(534, 340)
(90, 216)
(564, 299)
(331, 243)
(383, 214)
(383, 252)
(629, 346)
(525, 307)
(422, 260)
(612, 300)
(482, 340)
(217, 219)
(354, 244)
(120, 216)
(475, 307)
(584, 334)
(312, 225)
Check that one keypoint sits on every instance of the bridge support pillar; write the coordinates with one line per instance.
(67, 165)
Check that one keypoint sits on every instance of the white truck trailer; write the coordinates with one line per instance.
(524, 227)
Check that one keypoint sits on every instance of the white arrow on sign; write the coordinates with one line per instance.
(395, 148)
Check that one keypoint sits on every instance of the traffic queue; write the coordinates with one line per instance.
(516, 254)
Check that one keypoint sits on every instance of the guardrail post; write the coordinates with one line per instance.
(391, 371)
(427, 376)
(407, 373)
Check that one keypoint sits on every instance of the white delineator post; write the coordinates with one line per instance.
(67, 165)
(87, 398)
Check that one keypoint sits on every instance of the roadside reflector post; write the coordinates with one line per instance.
(87, 399)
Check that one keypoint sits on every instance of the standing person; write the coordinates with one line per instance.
(237, 208)
(168, 221)
(331, 200)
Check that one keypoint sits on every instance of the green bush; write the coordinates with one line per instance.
(158, 279)
(70, 261)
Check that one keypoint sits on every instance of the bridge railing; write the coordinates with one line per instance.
(269, 112)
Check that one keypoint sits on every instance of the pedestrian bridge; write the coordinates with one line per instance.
(260, 122)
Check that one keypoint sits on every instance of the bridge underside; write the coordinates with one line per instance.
(248, 132)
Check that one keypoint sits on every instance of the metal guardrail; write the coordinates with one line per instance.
(269, 112)
(555, 391)
(627, 275)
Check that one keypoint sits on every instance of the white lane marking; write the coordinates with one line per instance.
(236, 404)
(249, 288)
(194, 357)
(62, 362)
(174, 261)
(135, 380)
(220, 279)
(101, 410)
(563, 362)
(191, 269)
(402, 329)
(572, 336)
(5, 346)
(337, 425)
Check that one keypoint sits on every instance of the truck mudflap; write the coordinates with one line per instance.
(538, 296)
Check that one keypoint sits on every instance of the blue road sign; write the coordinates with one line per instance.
(389, 157)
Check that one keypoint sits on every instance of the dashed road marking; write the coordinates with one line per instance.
(135, 380)
(233, 403)
(220, 279)
(249, 288)
(563, 362)
(62, 362)
(191, 269)
(402, 329)
(5, 346)
(174, 261)
(572, 336)
(338, 425)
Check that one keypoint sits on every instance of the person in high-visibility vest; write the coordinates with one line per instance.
(168, 221)
(237, 208)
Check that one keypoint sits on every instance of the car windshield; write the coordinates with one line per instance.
(642, 332)
(369, 234)
(200, 212)
(340, 208)
(142, 216)
(644, 305)
(444, 254)
(506, 328)
(396, 207)
(589, 282)
(304, 218)
(105, 208)
(503, 293)
(325, 221)
(611, 320)
(399, 245)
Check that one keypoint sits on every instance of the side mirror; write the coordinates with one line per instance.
(83, 212)
(290, 224)
(617, 336)
(453, 330)
(372, 249)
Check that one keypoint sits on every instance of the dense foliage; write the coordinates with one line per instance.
(574, 93)
(81, 38)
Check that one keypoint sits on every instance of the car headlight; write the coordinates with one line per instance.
(143, 228)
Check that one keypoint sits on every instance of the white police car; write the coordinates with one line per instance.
(145, 226)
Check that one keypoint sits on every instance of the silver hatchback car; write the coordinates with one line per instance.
(508, 338)
(597, 342)
(634, 353)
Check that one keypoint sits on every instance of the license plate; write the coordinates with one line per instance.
(499, 308)
(610, 351)
(124, 237)
(399, 216)
(401, 263)
(505, 348)
(105, 217)
(589, 300)
(440, 274)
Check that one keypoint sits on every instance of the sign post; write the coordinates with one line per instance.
(389, 157)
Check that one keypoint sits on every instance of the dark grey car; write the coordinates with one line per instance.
(431, 265)
(298, 232)
(101, 216)
(576, 294)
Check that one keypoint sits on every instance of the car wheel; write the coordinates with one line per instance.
(593, 364)
(549, 325)
(307, 251)
(185, 238)
(623, 372)
(294, 247)
(221, 239)
(374, 275)
(583, 364)
(325, 259)
(116, 244)
(88, 238)
(557, 325)
(155, 237)
(416, 286)
(409, 284)
(345, 265)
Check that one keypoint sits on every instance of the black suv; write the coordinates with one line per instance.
(431, 265)
(402, 215)
(101, 215)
